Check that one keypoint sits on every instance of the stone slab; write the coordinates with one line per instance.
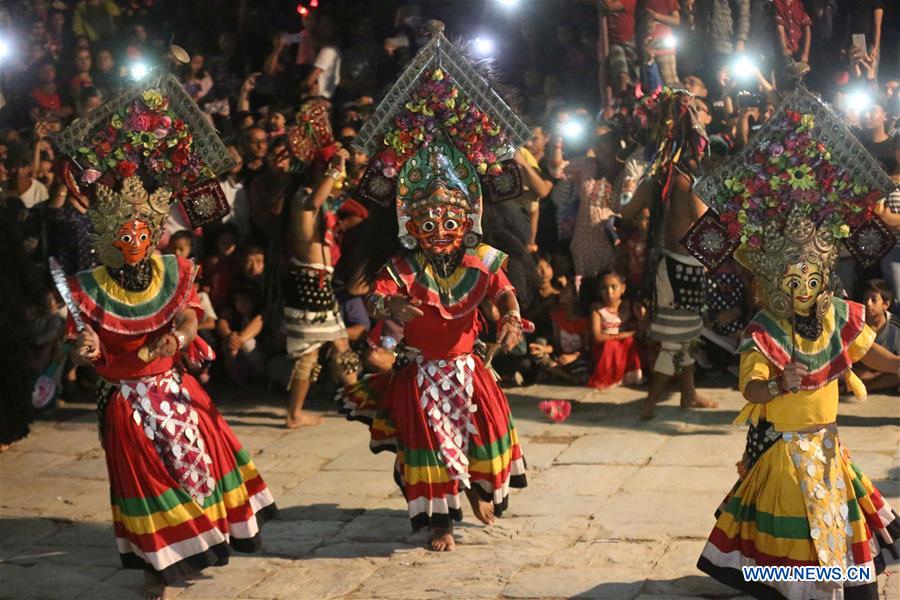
(633, 448)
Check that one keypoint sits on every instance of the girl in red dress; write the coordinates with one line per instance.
(614, 350)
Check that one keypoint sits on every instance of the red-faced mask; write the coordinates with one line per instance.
(439, 229)
(133, 241)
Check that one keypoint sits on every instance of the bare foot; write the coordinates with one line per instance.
(5, 447)
(442, 539)
(648, 411)
(304, 419)
(154, 587)
(697, 401)
(483, 509)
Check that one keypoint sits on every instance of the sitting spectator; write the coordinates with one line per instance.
(20, 165)
(614, 346)
(106, 78)
(82, 77)
(633, 249)
(195, 79)
(566, 357)
(238, 327)
(181, 244)
(221, 265)
(547, 297)
(878, 298)
(45, 95)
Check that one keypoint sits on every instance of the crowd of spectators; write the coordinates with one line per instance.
(576, 73)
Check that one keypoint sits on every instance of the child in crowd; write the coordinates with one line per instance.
(181, 244)
(633, 249)
(614, 349)
(877, 298)
(547, 296)
(237, 329)
(565, 358)
(220, 267)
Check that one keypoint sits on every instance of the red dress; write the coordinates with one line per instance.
(617, 361)
(441, 411)
(183, 491)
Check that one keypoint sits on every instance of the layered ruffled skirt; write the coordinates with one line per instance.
(802, 502)
(450, 426)
(183, 491)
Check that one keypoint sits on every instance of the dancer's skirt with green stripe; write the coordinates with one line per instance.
(803, 503)
(159, 526)
(389, 404)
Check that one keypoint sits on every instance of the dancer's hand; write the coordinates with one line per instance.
(165, 346)
(510, 334)
(404, 310)
(792, 375)
(87, 346)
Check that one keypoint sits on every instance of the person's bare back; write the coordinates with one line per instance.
(685, 208)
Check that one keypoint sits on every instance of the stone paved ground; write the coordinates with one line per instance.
(614, 508)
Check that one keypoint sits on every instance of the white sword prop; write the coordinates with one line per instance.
(62, 286)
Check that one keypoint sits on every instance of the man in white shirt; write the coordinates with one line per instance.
(20, 164)
(326, 72)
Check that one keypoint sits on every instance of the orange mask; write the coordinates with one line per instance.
(439, 229)
(133, 241)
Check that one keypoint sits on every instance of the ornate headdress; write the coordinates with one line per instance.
(801, 186)
(140, 152)
(441, 128)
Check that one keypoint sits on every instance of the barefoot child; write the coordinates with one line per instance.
(615, 350)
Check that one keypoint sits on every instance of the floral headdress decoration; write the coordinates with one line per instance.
(803, 185)
(441, 100)
(151, 142)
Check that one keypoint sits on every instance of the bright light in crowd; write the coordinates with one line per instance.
(858, 101)
(138, 70)
(743, 67)
(508, 4)
(484, 46)
(572, 129)
(302, 10)
(314, 3)
(669, 42)
(4, 49)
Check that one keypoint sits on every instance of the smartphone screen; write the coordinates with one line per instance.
(859, 41)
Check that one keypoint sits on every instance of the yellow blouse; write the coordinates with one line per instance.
(805, 408)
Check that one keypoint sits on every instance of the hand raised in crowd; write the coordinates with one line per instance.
(249, 84)
(87, 346)
(339, 160)
(862, 64)
(792, 375)
(404, 310)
